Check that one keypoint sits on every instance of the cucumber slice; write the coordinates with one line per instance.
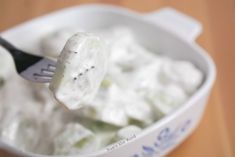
(79, 71)
(74, 139)
(183, 73)
(167, 99)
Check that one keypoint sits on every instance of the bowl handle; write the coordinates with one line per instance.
(176, 22)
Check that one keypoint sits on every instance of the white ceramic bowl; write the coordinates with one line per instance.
(166, 31)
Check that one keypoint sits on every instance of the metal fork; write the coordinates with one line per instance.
(31, 67)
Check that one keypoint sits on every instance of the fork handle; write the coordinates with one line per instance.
(21, 58)
(8, 46)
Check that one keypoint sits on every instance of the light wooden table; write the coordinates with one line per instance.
(215, 136)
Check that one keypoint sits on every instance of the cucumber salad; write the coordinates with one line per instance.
(106, 87)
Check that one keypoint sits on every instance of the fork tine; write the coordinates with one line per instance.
(41, 71)
(43, 75)
(42, 78)
(51, 67)
(47, 72)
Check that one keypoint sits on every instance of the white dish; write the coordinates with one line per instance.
(166, 31)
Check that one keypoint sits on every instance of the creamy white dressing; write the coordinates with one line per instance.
(139, 88)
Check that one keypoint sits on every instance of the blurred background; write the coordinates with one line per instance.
(215, 136)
